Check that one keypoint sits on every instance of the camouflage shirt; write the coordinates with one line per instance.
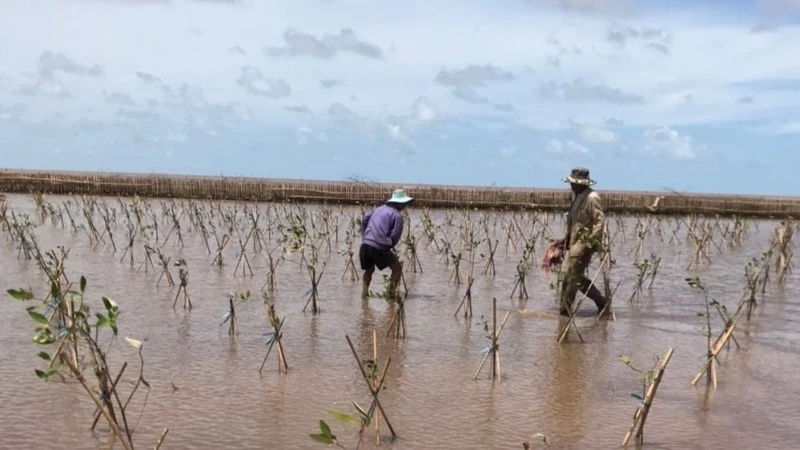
(585, 222)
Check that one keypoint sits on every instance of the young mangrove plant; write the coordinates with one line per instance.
(700, 246)
(272, 266)
(314, 274)
(325, 434)
(183, 276)
(646, 268)
(715, 347)
(230, 316)
(163, 261)
(350, 266)
(651, 379)
(493, 350)
(711, 369)
(65, 326)
(369, 371)
(782, 243)
(243, 261)
(411, 254)
(756, 272)
(523, 267)
(274, 338)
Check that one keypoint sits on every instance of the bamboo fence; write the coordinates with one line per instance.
(353, 192)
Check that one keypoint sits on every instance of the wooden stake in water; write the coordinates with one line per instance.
(710, 366)
(183, 274)
(640, 416)
(374, 391)
(277, 335)
(494, 349)
(398, 323)
(466, 302)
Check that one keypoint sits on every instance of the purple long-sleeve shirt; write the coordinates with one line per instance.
(382, 228)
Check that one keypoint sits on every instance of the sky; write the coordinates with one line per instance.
(691, 96)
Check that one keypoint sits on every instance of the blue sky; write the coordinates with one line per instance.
(691, 96)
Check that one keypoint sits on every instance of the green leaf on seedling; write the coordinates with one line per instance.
(324, 428)
(43, 339)
(44, 356)
(83, 284)
(321, 438)
(44, 375)
(325, 436)
(365, 419)
(109, 304)
(344, 417)
(20, 294)
(37, 317)
(102, 321)
(626, 360)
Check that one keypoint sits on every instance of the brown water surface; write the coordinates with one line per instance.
(207, 389)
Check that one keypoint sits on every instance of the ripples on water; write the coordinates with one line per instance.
(576, 394)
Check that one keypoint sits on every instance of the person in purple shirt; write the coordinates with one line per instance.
(381, 230)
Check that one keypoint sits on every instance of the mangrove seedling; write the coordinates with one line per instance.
(243, 261)
(782, 242)
(230, 316)
(715, 347)
(651, 380)
(374, 388)
(350, 266)
(65, 324)
(272, 266)
(493, 349)
(274, 338)
(410, 243)
(163, 261)
(754, 271)
(148, 259)
(523, 267)
(466, 301)
(183, 275)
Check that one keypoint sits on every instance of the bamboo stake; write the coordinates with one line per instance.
(374, 392)
(640, 416)
(494, 349)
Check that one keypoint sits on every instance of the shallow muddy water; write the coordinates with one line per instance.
(207, 390)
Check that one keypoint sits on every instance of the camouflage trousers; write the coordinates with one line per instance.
(575, 280)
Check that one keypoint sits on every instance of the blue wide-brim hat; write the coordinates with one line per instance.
(399, 196)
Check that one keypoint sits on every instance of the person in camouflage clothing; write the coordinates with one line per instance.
(584, 234)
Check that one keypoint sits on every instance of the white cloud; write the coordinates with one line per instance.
(255, 83)
(568, 147)
(664, 141)
(508, 152)
(596, 134)
(285, 65)
(424, 110)
(790, 127)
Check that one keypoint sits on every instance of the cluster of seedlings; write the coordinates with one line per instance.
(153, 233)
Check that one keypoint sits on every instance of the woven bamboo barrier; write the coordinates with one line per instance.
(346, 192)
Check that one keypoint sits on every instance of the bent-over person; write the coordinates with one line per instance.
(381, 230)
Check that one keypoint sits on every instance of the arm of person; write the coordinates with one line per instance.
(397, 230)
(595, 210)
(364, 222)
